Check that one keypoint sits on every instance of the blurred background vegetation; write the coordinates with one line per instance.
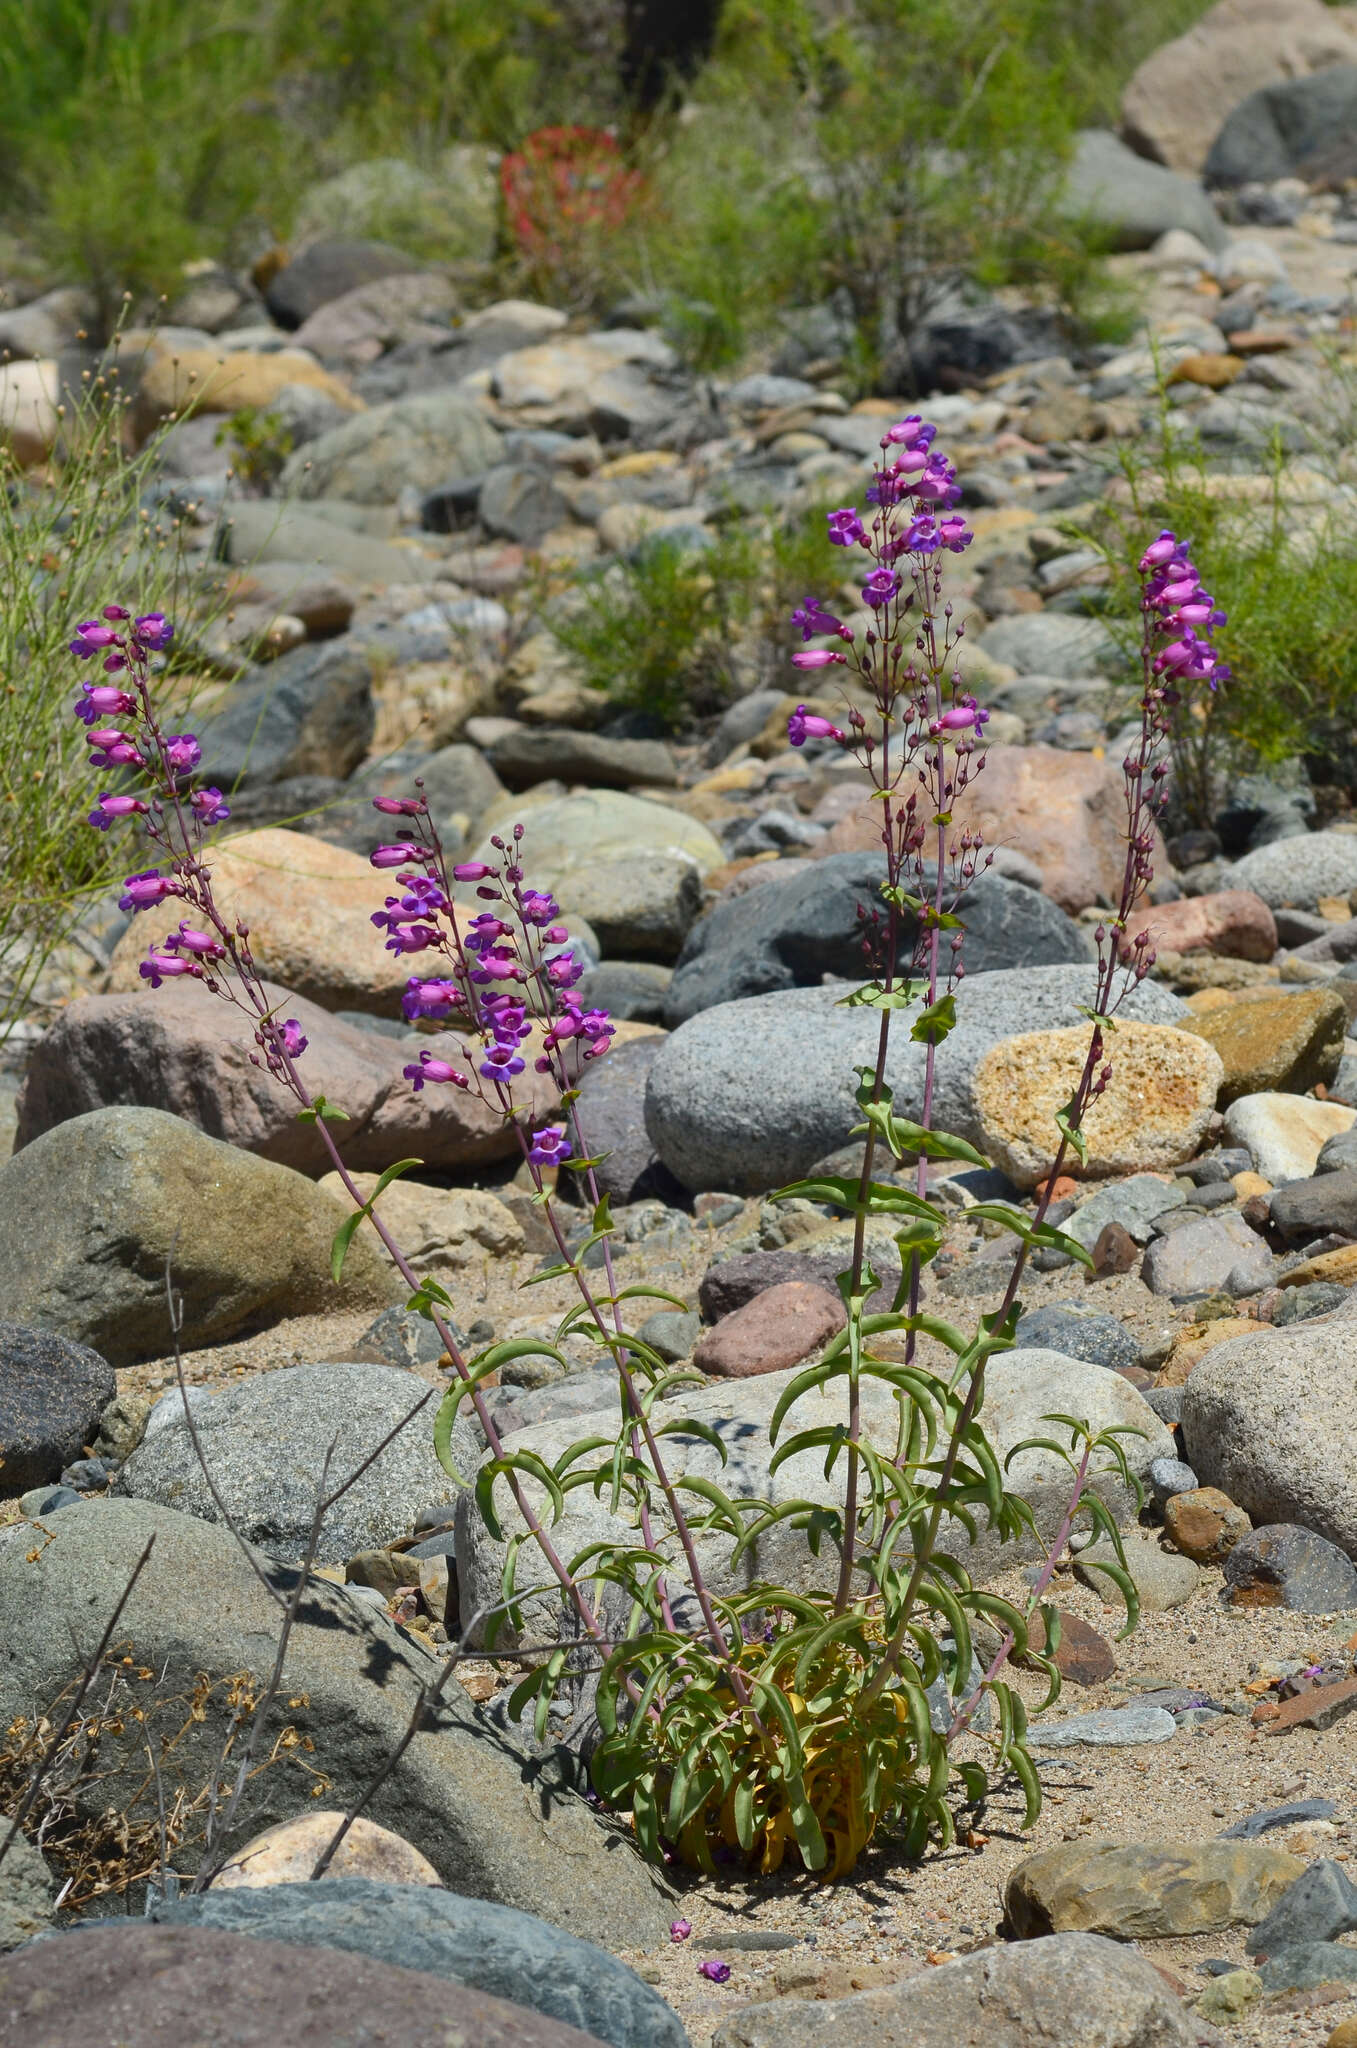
(785, 151)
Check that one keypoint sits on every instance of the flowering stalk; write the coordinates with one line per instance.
(173, 816)
(502, 976)
(918, 707)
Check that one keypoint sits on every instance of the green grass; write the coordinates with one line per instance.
(67, 547)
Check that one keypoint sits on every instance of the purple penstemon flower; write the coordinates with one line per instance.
(501, 1062)
(810, 618)
(550, 1146)
(209, 806)
(153, 630)
(144, 891)
(293, 1038)
(427, 1068)
(103, 700)
(880, 588)
(806, 725)
(160, 966)
(110, 809)
(91, 638)
(846, 529)
(398, 855)
(400, 806)
(202, 945)
(714, 1970)
(817, 657)
(435, 998)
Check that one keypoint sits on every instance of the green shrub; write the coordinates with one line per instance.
(1286, 574)
(655, 631)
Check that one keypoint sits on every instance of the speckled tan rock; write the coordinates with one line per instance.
(287, 1853)
(1140, 1890)
(1153, 1114)
(438, 1226)
(1287, 1041)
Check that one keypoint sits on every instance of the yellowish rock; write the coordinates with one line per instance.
(438, 1227)
(221, 380)
(1196, 1340)
(1250, 1183)
(1338, 1266)
(1211, 370)
(287, 1854)
(1153, 1114)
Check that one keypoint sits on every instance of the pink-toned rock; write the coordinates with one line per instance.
(1235, 923)
(287, 1854)
(1176, 102)
(179, 1049)
(309, 908)
(1066, 812)
(776, 1329)
(359, 325)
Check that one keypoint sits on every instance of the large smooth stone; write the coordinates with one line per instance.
(94, 1213)
(749, 1095)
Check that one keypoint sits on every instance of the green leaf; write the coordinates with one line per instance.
(344, 1236)
(1070, 1131)
(321, 1108)
(935, 1023)
(427, 1296)
(874, 997)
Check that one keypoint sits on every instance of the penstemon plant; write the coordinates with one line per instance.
(739, 1718)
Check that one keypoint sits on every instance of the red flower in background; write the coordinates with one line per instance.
(564, 179)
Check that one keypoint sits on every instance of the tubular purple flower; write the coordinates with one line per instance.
(810, 617)
(881, 586)
(911, 432)
(1159, 551)
(564, 971)
(153, 630)
(116, 611)
(430, 998)
(113, 749)
(550, 1146)
(158, 967)
(144, 891)
(471, 871)
(966, 713)
(407, 938)
(846, 529)
(182, 752)
(427, 1068)
(91, 638)
(501, 1063)
(294, 1038)
(110, 808)
(201, 944)
(806, 725)
(538, 908)
(679, 1930)
(209, 806)
(400, 806)
(818, 657)
(397, 855)
(715, 1970)
(103, 700)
